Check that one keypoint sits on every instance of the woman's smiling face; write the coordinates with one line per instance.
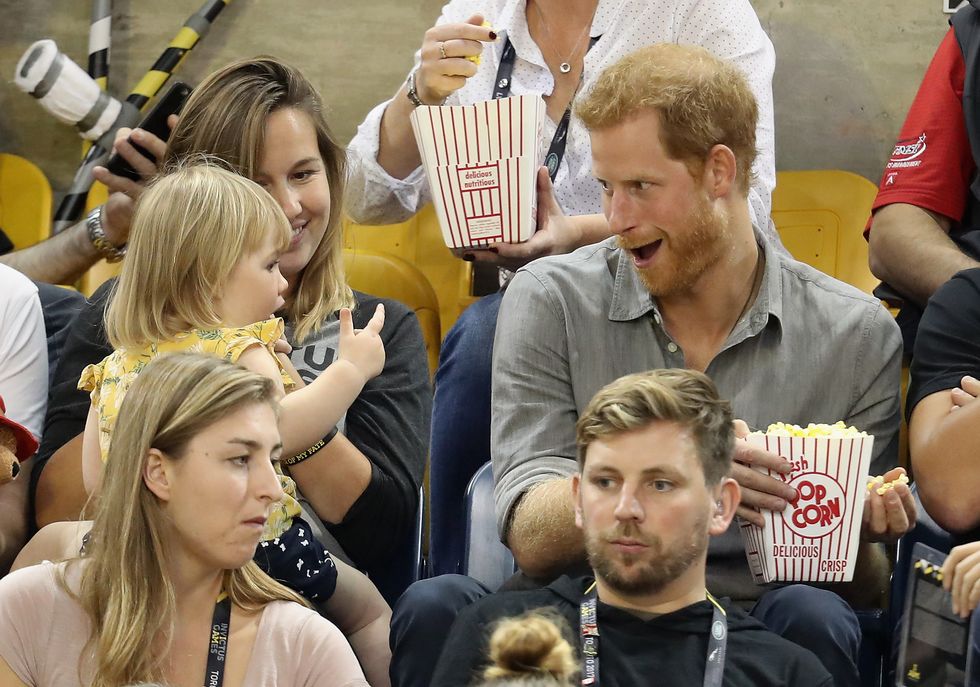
(291, 169)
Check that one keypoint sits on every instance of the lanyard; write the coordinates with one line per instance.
(501, 89)
(717, 641)
(214, 675)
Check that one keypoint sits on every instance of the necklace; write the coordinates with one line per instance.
(565, 65)
(760, 262)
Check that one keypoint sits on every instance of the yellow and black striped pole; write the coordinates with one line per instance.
(195, 28)
(99, 41)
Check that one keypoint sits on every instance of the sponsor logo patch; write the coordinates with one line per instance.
(907, 152)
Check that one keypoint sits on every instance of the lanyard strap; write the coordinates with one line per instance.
(717, 641)
(501, 89)
(214, 675)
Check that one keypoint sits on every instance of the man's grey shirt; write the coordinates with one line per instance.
(809, 349)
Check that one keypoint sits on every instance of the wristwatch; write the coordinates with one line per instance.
(96, 235)
(413, 94)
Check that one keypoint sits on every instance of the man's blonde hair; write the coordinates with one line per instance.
(686, 397)
(226, 116)
(702, 101)
(190, 228)
(125, 586)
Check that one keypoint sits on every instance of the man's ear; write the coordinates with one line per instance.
(726, 496)
(155, 474)
(720, 169)
(577, 498)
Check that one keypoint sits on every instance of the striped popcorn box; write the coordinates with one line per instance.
(480, 161)
(816, 538)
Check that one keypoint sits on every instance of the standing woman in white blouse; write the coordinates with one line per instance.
(167, 590)
(558, 47)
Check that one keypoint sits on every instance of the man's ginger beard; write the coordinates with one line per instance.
(701, 244)
(650, 572)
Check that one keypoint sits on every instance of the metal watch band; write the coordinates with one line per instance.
(413, 95)
(96, 235)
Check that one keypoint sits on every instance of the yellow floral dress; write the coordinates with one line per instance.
(109, 380)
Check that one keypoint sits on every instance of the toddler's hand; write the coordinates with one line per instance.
(363, 348)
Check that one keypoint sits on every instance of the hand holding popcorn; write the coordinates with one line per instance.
(759, 492)
(816, 535)
(889, 508)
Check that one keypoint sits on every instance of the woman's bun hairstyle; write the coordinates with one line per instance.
(531, 650)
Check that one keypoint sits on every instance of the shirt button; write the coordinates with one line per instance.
(656, 317)
(672, 347)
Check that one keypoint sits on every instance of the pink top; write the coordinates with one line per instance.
(43, 631)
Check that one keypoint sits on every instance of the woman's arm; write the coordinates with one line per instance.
(365, 481)
(359, 610)
(388, 425)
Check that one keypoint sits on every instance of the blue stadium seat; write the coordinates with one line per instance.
(486, 558)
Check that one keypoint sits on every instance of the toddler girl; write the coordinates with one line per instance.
(202, 274)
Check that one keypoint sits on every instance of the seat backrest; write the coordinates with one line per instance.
(388, 276)
(820, 216)
(419, 242)
(486, 559)
(25, 201)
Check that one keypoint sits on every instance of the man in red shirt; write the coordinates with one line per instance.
(925, 221)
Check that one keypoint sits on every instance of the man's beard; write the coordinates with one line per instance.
(649, 572)
(693, 251)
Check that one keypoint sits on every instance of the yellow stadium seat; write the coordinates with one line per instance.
(25, 201)
(419, 242)
(388, 276)
(820, 216)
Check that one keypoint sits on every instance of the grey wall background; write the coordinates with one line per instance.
(845, 75)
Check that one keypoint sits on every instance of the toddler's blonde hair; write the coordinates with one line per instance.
(190, 228)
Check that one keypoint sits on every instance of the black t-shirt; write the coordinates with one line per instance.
(948, 343)
(388, 423)
(672, 647)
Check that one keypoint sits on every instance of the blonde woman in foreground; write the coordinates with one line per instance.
(167, 590)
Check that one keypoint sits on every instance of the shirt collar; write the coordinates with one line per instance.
(631, 300)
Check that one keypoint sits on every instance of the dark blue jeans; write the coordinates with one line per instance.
(420, 623)
(59, 307)
(818, 620)
(460, 428)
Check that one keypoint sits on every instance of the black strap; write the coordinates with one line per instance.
(501, 89)
(717, 641)
(214, 675)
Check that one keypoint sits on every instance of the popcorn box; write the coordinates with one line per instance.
(481, 162)
(816, 538)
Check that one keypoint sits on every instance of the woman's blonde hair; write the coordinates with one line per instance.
(124, 587)
(225, 116)
(190, 228)
(530, 651)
